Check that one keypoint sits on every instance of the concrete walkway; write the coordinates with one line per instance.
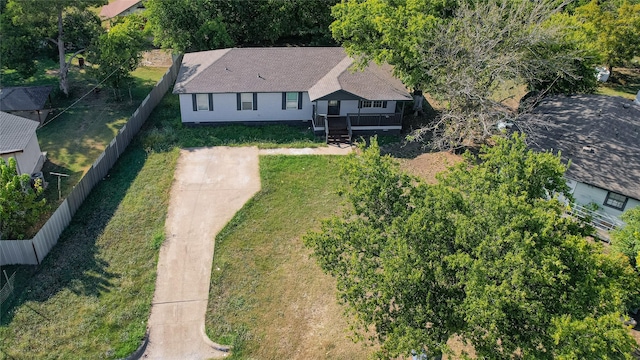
(210, 186)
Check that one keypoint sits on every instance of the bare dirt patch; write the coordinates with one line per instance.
(427, 165)
(156, 58)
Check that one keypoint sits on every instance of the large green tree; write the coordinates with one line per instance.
(466, 54)
(20, 207)
(196, 25)
(29, 24)
(611, 29)
(118, 52)
(489, 49)
(483, 255)
(626, 240)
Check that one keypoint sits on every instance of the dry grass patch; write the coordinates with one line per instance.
(427, 165)
(268, 297)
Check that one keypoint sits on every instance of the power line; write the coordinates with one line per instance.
(82, 97)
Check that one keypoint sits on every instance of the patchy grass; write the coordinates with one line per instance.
(91, 296)
(75, 139)
(268, 298)
(625, 82)
(169, 131)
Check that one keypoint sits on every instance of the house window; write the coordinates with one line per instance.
(292, 100)
(202, 102)
(615, 201)
(373, 104)
(247, 101)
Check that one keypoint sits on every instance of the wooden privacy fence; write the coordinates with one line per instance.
(32, 251)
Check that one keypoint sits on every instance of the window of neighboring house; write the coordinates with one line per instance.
(292, 100)
(202, 102)
(365, 104)
(615, 201)
(247, 101)
(377, 103)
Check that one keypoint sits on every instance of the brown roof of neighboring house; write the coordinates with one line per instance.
(319, 70)
(24, 98)
(117, 7)
(599, 134)
(15, 132)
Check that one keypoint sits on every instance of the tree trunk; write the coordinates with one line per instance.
(64, 68)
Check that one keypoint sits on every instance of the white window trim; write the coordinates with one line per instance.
(202, 102)
(614, 206)
(292, 104)
(244, 101)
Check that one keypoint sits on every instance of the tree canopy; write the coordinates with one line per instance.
(27, 26)
(482, 254)
(611, 30)
(19, 204)
(119, 52)
(467, 54)
(197, 25)
(626, 240)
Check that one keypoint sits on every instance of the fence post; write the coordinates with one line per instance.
(35, 252)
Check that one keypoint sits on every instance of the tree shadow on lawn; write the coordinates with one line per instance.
(75, 263)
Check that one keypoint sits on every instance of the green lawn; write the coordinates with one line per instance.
(75, 138)
(268, 298)
(625, 82)
(91, 296)
(169, 131)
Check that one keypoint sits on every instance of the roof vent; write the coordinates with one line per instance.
(588, 149)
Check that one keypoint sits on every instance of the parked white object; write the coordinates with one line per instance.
(603, 74)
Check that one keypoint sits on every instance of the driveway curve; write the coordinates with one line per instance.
(210, 186)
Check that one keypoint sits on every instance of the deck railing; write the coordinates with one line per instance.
(597, 219)
(375, 119)
(355, 119)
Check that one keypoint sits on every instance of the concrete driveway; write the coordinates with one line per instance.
(210, 185)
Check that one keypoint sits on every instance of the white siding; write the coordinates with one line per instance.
(29, 161)
(351, 107)
(225, 109)
(585, 194)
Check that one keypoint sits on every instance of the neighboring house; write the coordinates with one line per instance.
(298, 85)
(120, 8)
(31, 102)
(600, 135)
(18, 140)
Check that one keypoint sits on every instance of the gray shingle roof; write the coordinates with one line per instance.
(117, 7)
(318, 70)
(24, 98)
(15, 132)
(599, 134)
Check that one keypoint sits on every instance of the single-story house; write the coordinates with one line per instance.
(18, 140)
(600, 136)
(120, 8)
(310, 85)
(26, 101)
